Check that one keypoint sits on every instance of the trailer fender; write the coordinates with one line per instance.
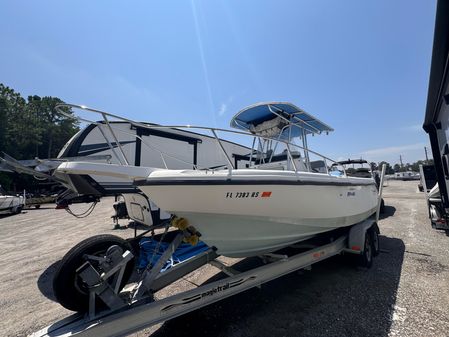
(357, 233)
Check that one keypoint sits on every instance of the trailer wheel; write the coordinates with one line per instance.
(37, 206)
(18, 210)
(382, 206)
(366, 258)
(68, 287)
(373, 232)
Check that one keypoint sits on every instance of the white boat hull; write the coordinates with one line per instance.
(243, 219)
(10, 204)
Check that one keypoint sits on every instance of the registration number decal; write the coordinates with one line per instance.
(242, 195)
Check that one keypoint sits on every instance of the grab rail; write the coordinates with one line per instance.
(124, 161)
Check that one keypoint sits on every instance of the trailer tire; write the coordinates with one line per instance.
(365, 259)
(374, 233)
(18, 210)
(68, 288)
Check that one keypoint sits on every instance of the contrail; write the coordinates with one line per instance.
(203, 61)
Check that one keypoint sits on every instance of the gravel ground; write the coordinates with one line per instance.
(405, 293)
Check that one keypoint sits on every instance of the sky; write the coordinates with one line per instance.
(360, 66)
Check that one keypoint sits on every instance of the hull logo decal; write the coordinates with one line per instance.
(208, 293)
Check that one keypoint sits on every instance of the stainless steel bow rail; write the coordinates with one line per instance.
(106, 127)
(135, 307)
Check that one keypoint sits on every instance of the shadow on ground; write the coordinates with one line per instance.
(45, 281)
(2, 216)
(40, 208)
(138, 225)
(333, 299)
(132, 225)
(388, 211)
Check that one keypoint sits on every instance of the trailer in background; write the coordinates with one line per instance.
(436, 121)
(428, 177)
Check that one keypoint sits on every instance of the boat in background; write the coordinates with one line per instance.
(10, 204)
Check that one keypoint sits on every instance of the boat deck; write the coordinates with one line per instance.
(405, 293)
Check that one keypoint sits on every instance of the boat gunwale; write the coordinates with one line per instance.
(193, 182)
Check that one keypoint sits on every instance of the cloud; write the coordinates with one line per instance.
(393, 149)
(223, 108)
(410, 153)
(140, 93)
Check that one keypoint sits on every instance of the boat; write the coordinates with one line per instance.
(10, 204)
(278, 197)
(277, 201)
(407, 175)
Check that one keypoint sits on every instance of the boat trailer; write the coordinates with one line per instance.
(135, 308)
(122, 318)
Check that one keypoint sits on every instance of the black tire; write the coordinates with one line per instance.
(382, 206)
(18, 210)
(374, 233)
(37, 206)
(366, 258)
(68, 288)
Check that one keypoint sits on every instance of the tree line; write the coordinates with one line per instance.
(401, 168)
(31, 128)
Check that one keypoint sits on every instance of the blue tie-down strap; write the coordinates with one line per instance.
(148, 255)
